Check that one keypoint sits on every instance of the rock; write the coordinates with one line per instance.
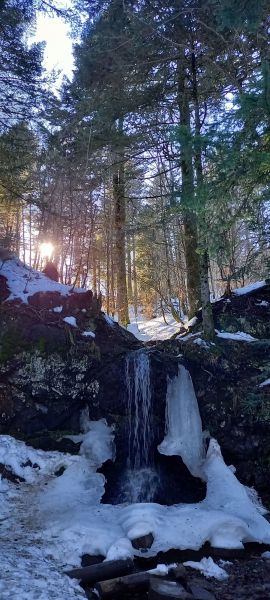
(88, 559)
(179, 572)
(161, 589)
(144, 542)
(4, 289)
(7, 473)
(200, 593)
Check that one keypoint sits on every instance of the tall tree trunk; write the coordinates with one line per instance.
(120, 251)
(189, 216)
(207, 312)
(134, 273)
(129, 270)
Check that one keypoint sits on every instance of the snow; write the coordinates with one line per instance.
(23, 281)
(49, 521)
(192, 322)
(239, 336)
(183, 423)
(200, 342)
(207, 567)
(109, 320)
(265, 383)
(266, 555)
(162, 570)
(249, 288)
(57, 309)
(71, 321)
(89, 334)
(154, 329)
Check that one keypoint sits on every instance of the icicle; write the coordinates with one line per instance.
(183, 423)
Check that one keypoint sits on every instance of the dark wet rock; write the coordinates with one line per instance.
(161, 589)
(249, 313)
(88, 560)
(144, 542)
(200, 593)
(29, 463)
(60, 472)
(179, 572)
(7, 473)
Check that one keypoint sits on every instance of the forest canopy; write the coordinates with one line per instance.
(146, 178)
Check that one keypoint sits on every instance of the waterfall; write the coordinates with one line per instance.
(183, 423)
(140, 478)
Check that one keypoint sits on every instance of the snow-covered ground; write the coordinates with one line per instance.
(154, 329)
(49, 521)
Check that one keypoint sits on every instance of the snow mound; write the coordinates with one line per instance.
(24, 281)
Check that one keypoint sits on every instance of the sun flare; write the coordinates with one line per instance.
(46, 250)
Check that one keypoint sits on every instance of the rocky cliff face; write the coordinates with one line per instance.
(232, 381)
(60, 353)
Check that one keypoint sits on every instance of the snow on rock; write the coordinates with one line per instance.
(24, 281)
(266, 555)
(183, 423)
(265, 383)
(238, 336)
(57, 309)
(227, 494)
(247, 289)
(162, 570)
(71, 321)
(200, 342)
(207, 567)
(89, 334)
(98, 443)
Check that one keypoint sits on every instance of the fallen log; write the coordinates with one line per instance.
(101, 571)
(136, 582)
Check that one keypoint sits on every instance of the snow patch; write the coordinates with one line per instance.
(154, 329)
(239, 336)
(265, 383)
(71, 321)
(57, 309)
(208, 568)
(89, 334)
(249, 288)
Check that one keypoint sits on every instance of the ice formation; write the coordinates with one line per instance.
(183, 423)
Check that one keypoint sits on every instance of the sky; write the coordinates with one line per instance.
(58, 52)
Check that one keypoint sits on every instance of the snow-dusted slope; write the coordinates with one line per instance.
(154, 329)
(23, 281)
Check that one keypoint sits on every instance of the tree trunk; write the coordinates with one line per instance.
(120, 252)
(207, 313)
(189, 216)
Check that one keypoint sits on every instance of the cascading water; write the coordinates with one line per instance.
(140, 478)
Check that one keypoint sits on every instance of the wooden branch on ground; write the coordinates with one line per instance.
(136, 582)
(102, 571)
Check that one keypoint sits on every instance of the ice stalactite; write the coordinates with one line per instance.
(184, 435)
